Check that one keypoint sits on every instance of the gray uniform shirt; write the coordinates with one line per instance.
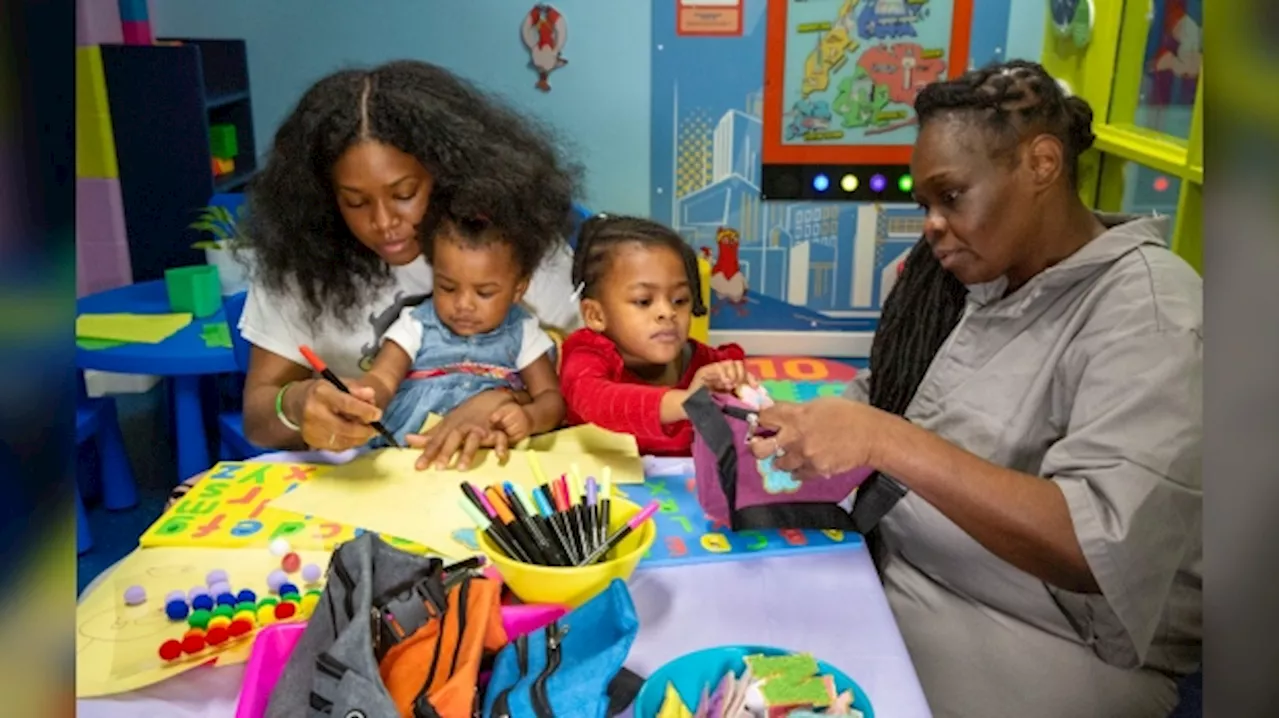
(1089, 376)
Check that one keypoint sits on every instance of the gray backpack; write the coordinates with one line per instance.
(378, 597)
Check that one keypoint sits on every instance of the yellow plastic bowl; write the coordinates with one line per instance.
(572, 586)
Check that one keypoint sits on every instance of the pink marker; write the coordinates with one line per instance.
(631, 525)
(484, 501)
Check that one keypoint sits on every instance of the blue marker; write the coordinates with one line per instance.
(549, 513)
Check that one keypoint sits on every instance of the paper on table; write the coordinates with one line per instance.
(117, 645)
(587, 438)
(138, 328)
(381, 491)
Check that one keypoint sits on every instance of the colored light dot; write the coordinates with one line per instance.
(821, 182)
(905, 183)
(849, 183)
(1161, 184)
(878, 183)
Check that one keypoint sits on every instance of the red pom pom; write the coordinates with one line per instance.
(216, 635)
(291, 562)
(285, 610)
(193, 644)
(170, 650)
(239, 627)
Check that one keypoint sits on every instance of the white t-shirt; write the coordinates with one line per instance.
(277, 322)
(407, 332)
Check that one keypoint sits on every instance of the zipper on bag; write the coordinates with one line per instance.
(501, 704)
(538, 691)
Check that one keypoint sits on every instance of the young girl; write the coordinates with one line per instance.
(633, 365)
(471, 337)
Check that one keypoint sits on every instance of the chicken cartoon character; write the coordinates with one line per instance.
(727, 279)
(545, 33)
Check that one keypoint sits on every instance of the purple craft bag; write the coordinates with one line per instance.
(732, 488)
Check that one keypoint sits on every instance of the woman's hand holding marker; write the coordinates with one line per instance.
(330, 419)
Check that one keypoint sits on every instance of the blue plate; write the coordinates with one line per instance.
(692, 671)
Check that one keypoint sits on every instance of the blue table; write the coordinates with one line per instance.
(182, 359)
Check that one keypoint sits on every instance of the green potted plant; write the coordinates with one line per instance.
(227, 250)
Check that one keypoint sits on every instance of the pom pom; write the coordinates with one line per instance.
(193, 644)
(291, 562)
(285, 610)
(239, 628)
(215, 576)
(203, 603)
(246, 596)
(311, 573)
(135, 595)
(176, 610)
(216, 636)
(199, 618)
(279, 547)
(170, 650)
(226, 599)
(286, 588)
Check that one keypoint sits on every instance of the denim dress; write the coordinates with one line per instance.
(449, 369)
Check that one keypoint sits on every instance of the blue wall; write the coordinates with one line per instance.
(600, 102)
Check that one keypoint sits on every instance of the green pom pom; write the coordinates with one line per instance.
(267, 601)
(291, 597)
(223, 610)
(199, 618)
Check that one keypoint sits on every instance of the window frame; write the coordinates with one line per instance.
(1107, 74)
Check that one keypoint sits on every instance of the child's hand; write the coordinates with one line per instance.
(512, 420)
(724, 377)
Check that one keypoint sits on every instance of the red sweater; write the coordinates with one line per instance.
(599, 390)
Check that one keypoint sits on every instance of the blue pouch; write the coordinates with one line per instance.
(573, 667)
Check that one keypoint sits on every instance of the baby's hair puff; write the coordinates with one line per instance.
(600, 235)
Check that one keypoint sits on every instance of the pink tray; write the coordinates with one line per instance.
(274, 644)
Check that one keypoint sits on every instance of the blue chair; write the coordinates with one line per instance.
(96, 420)
(234, 445)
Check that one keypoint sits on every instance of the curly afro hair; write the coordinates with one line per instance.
(488, 163)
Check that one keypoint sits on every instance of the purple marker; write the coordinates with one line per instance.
(631, 525)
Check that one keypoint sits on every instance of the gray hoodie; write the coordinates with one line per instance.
(1090, 376)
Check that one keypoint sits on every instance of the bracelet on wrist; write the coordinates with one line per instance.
(280, 408)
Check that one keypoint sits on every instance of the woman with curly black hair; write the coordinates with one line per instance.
(361, 165)
(1033, 413)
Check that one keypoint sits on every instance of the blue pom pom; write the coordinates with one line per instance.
(246, 596)
(226, 599)
(287, 588)
(176, 610)
(202, 603)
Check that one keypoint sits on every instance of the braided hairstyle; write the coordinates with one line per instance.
(601, 234)
(1010, 101)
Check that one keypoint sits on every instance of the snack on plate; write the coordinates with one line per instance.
(786, 686)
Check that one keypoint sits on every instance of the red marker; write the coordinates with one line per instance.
(318, 364)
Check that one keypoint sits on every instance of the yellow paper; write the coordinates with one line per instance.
(117, 645)
(672, 705)
(228, 508)
(381, 491)
(588, 438)
(137, 328)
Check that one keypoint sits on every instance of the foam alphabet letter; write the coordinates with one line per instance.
(716, 543)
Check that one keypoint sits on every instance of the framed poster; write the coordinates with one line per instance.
(709, 18)
(841, 77)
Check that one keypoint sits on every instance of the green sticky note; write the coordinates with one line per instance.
(217, 334)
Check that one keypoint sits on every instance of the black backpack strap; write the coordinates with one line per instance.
(796, 515)
(875, 498)
(714, 429)
(622, 690)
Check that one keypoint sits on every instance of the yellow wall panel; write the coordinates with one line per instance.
(95, 145)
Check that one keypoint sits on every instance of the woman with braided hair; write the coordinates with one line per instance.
(1033, 415)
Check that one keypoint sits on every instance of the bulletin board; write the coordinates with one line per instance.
(841, 77)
